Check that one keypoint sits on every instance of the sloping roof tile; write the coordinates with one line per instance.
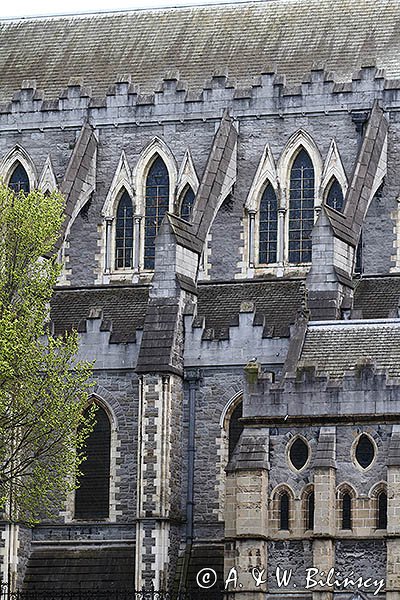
(340, 347)
(341, 35)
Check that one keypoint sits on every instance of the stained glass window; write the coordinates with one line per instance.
(92, 496)
(187, 204)
(284, 512)
(19, 180)
(359, 256)
(124, 233)
(157, 204)
(334, 197)
(268, 226)
(346, 511)
(382, 511)
(310, 511)
(301, 208)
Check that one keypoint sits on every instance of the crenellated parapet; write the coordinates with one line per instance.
(172, 100)
(364, 393)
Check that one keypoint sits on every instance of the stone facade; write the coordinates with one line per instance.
(309, 349)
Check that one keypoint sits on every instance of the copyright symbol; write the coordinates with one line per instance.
(206, 578)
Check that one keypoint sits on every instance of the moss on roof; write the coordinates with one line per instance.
(246, 38)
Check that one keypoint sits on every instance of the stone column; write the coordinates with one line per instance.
(393, 525)
(325, 502)
(281, 237)
(246, 507)
(136, 249)
(107, 265)
(252, 215)
(159, 472)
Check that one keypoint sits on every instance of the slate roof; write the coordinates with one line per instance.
(275, 302)
(337, 347)
(123, 308)
(246, 38)
(377, 297)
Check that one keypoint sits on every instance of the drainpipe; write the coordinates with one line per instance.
(192, 378)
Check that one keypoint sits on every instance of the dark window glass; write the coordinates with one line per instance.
(92, 497)
(301, 208)
(298, 453)
(346, 511)
(124, 233)
(365, 451)
(284, 511)
(19, 180)
(235, 428)
(187, 204)
(310, 511)
(268, 226)
(358, 265)
(382, 511)
(334, 198)
(157, 204)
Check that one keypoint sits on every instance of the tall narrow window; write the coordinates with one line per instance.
(310, 511)
(235, 428)
(157, 204)
(334, 197)
(92, 496)
(301, 208)
(359, 258)
(268, 226)
(19, 180)
(346, 511)
(187, 204)
(284, 512)
(124, 233)
(382, 511)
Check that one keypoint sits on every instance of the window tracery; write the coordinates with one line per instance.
(156, 205)
(268, 226)
(334, 196)
(124, 233)
(301, 208)
(19, 180)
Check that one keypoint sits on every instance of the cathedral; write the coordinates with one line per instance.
(231, 262)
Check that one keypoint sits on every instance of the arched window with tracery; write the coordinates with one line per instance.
(382, 503)
(301, 208)
(334, 196)
(92, 498)
(124, 233)
(284, 507)
(157, 204)
(235, 428)
(268, 227)
(19, 180)
(187, 204)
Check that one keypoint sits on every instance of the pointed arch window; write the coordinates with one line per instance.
(334, 196)
(301, 208)
(310, 510)
(92, 498)
(187, 204)
(284, 505)
(124, 233)
(382, 503)
(157, 204)
(268, 227)
(19, 180)
(346, 511)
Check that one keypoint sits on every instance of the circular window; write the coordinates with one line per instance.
(365, 451)
(299, 453)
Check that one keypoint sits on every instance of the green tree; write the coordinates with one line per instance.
(43, 388)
